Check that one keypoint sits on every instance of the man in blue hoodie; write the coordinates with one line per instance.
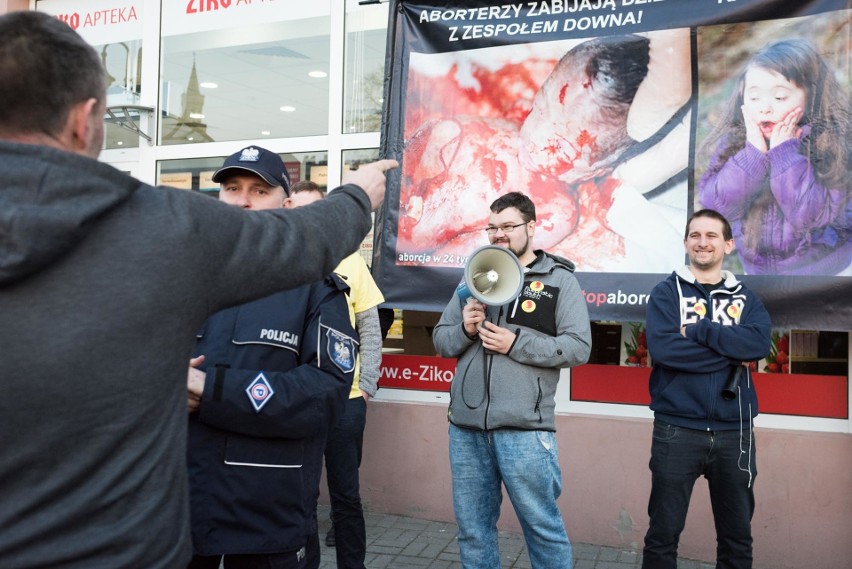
(703, 326)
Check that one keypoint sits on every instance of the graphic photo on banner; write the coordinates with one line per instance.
(595, 131)
(601, 113)
(774, 125)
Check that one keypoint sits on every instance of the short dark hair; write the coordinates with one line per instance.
(306, 186)
(727, 233)
(517, 200)
(45, 69)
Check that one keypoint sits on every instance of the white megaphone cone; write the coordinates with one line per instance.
(492, 275)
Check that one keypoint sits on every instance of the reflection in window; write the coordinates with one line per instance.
(264, 80)
(809, 352)
(123, 67)
(196, 173)
(357, 157)
(352, 159)
(366, 31)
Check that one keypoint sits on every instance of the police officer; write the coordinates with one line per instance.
(267, 381)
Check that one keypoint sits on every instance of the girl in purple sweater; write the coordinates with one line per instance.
(780, 170)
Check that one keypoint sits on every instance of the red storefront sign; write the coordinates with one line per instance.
(784, 394)
(424, 373)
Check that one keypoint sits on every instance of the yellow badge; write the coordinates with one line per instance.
(700, 309)
(537, 286)
(528, 306)
(734, 312)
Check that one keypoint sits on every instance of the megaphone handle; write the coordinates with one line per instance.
(499, 316)
(476, 312)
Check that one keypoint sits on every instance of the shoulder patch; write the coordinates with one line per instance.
(259, 392)
(341, 350)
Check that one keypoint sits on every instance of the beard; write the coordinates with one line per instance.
(521, 249)
(707, 264)
(518, 249)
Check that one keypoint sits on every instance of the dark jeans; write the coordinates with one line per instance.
(290, 560)
(342, 460)
(727, 460)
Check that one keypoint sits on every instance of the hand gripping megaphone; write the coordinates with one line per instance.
(492, 275)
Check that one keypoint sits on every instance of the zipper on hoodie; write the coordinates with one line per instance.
(708, 297)
(713, 388)
(490, 361)
(538, 399)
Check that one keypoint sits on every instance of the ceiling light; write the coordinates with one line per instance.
(120, 143)
(287, 109)
(196, 116)
(318, 74)
(264, 132)
(209, 85)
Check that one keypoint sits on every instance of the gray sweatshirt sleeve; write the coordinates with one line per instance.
(370, 334)
(449, 336)
(248, 255)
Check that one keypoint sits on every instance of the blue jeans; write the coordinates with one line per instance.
(727, 460)
(526, 462)
(342, 461)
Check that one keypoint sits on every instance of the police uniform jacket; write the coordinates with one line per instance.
(279, 370)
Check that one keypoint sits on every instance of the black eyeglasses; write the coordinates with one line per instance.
(491, 230)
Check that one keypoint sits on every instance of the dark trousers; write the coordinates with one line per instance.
(290, 560)
(342, 461)
(727, 460)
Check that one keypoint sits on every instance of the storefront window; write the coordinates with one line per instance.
(366, 31)
(197, 173)
(353, 159)
(805, 373)
(114, 29)
(240, 72)
(123, 65)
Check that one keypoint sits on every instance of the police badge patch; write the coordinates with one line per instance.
(341, 350)
(250, 154)
(259, 392)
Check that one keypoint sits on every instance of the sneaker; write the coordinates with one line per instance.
(329, 537)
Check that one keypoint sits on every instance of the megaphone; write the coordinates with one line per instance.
(492, 275)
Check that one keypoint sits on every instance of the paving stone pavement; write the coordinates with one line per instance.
(398, 542)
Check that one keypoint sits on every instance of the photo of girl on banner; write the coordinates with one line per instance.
(779, 153)
(595, 131)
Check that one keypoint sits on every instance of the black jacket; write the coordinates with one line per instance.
(279, 370)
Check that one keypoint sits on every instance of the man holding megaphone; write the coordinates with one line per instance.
(524, 320)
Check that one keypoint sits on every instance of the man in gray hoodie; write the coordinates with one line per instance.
(502, 425)
(103, 282)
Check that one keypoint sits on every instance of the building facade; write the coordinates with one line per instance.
(191, 81)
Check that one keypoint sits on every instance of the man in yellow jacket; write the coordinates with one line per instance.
(343, 448)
